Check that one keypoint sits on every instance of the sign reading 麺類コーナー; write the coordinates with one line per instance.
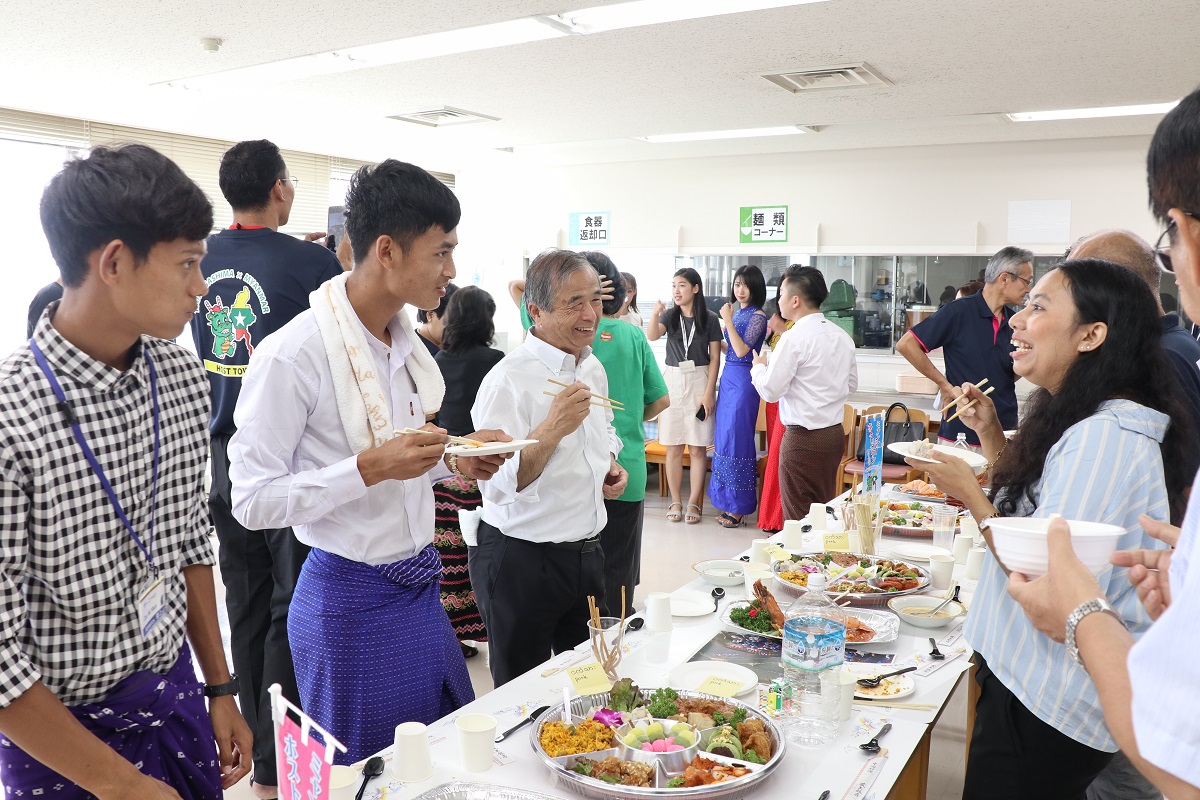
(590, 228)
(763, 224)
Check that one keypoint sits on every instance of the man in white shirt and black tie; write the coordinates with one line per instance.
(539, 553)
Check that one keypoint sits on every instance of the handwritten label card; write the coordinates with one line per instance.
(720, 686)
(589, 679)
(837, 542)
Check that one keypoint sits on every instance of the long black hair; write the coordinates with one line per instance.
(632, 281)
(468, 320)
(700, 310)
(753, 278)
(1129, 365)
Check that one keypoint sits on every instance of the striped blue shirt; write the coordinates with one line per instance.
(1165, 664)
(1106, 468)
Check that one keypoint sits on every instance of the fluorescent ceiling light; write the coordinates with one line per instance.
(1091, 113)
(653, 12)
(414, 48)
(480, 37)
(742, 133)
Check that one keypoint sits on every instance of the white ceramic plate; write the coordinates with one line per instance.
(491, 448)
(889, 688)
(692, 604)
(974, 460)
(690, 675)
(918, 552)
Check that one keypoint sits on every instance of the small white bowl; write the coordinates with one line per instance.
(1020, 543)
(917, 601)
(721, 571)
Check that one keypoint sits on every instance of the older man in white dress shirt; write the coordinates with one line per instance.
(315, 450)
(539, 553)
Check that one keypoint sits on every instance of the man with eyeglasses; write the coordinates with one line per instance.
(258, 279)
(976, 340)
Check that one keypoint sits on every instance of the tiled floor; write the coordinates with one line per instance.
(668, 551)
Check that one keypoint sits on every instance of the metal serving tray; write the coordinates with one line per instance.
(461, 790)
(857, 598)
(563, 777)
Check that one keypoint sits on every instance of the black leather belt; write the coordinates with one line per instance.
(581, 546)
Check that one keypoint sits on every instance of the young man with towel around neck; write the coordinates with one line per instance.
(316, 450)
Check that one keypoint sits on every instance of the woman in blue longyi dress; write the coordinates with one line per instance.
(735, 456)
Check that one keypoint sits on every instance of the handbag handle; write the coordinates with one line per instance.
(893, 406)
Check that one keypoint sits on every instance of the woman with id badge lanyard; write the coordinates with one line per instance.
(693, 349)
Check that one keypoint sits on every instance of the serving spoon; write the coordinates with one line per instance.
(372, 769)
(871, 683)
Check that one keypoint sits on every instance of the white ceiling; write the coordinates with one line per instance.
(954, 64)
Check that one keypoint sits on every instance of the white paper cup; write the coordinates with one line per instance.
(817, 516)
(758, 550)
(941, 570)
(975, 562)
(658, 612)
(468, 524)
(756, 572)
(343, 782)
(476, 741)
(792, 536)
(411, 762)
(963, 543)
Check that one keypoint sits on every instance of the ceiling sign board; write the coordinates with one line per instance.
(1039, 221)
(763, 224)
(590, 229)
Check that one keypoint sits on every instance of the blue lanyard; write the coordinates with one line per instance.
(69, 413)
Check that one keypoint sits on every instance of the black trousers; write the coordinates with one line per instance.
(621, 541)
(1016, 755)
(533, 597)
(259, 570)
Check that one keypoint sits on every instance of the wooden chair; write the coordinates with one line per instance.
(849, 428)
(892, 473)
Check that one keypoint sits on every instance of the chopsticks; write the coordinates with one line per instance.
(913, 706)
(955, 400)
(452, 439)
(594, 402)
(990, 389)
(616, 404)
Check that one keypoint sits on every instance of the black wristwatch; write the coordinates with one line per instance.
(222, 689)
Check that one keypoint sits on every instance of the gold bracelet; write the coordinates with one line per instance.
(992, 463)
(452, 463)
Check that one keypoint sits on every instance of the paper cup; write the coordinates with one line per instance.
(658, 611)
(343, 782)
(941, 570)
(468, 524)
(758, 550)
(411, 762)
(793, 534)
(975, 562)
(756, 572)
(963, 543)
(817, 516)
(476, 741)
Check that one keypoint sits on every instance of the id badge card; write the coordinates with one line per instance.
(152, 605)
(687, 367)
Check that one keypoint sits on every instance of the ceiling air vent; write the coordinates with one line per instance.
(443, 117)
(829, 79)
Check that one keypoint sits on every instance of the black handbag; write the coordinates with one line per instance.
(907, 431)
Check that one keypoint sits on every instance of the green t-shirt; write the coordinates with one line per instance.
(635, 380)
(526, 320)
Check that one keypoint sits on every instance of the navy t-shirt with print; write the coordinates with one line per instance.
(976, 345)
(258, 280)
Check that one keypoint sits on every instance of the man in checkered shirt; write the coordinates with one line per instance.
(105, 562)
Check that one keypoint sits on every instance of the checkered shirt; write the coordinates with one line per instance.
(70, 573)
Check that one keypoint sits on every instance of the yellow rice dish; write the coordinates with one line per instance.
(588, 736)
(800, 577)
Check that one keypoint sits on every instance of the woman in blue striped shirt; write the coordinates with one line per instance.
(1093, 446)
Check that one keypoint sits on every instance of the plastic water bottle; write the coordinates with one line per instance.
(961, 442)
(814, 641)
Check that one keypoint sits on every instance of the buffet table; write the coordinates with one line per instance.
(650, 657)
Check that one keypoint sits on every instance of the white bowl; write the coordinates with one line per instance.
(952, 610)
(721, 571)
(1020, 543)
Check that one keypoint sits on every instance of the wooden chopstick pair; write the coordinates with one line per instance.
(609, 402)
(594, 402)
(453, 439)
(990, 389)
(955, 400)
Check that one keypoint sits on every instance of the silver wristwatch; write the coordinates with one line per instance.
(1081, 611)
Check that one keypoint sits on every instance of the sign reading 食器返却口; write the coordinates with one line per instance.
(763, 224)
(590, 229)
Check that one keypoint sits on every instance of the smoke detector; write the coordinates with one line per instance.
(442, 117)
(211, 44)
(830, 78)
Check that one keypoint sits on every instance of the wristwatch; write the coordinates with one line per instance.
(222, 689)
(1081, 611)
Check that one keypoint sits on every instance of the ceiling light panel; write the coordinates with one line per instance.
(654, 12)
(742, 133)
(1092, 113)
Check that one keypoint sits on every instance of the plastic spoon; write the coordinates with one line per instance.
(372, 769)
(872, 746)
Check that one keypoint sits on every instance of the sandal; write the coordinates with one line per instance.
(727, 520)
(674, 516)
(689, 517)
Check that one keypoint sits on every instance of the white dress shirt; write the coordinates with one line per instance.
(566, 502)
(810, 374)
(290, 462)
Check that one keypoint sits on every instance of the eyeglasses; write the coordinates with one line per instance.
(1025, 281)
(1164, 253)
(294, 180)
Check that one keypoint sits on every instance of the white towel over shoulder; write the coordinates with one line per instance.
(362, 404)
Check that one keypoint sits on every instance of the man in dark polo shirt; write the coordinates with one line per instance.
(258, 279)
(976, 340)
